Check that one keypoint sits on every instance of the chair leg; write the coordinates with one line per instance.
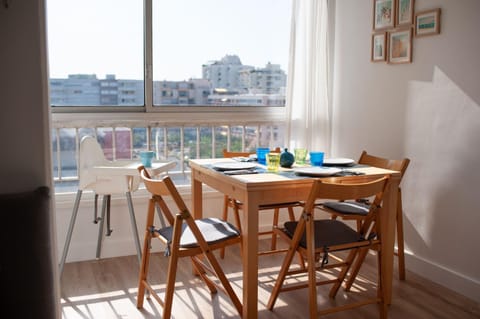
(291, 215)
(133, 222)
(172, 268)
(109, 229)
(400, 240)
(144, 266)
(224, 217)
(286, 265)
(361, 254)
(343, 273)
(200, 270)
(100, 228)
(145, 263)
(223, 279)
(95, 210)
(273, 244)
(169, 289)
(70, 231)
(312, 280)
(359, 224)
(238, 223)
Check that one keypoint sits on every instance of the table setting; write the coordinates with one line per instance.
(286, 163)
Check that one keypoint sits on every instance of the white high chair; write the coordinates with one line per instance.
(105, 178)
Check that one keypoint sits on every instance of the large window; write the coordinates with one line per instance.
(195, 53)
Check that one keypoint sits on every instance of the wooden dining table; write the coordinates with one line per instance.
(266, 187)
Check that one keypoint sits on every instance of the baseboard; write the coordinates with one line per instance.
(466, 286)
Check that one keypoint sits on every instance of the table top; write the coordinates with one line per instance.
(284, 175)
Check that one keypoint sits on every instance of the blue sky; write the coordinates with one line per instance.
(106, 36)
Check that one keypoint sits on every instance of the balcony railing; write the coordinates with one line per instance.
(123, 136)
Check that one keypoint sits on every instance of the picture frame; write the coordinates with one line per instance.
(383, 14)
(379, 47)
(400, 46)
(404, 12)
(427, 23)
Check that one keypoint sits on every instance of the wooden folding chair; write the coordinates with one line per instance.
(183, 237)
(357, 210)
(236, 206)
(318, 238)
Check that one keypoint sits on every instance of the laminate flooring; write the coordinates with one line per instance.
(107, 288)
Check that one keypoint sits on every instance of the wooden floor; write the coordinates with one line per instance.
(107, 289)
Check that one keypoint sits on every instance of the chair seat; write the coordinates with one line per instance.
(213, 229)
(348, 207)
(327, 233)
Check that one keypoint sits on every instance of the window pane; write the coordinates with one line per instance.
(95, 52)
(220, 53)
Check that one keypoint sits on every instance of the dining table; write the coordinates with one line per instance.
(258, 186)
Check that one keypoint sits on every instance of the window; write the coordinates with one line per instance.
(91, 46)
(198, 46)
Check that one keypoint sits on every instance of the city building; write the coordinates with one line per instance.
(244, 86)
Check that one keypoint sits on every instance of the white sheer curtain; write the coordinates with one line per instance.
(308, 118)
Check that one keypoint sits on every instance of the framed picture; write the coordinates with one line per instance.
(379, 47)
(404, 10)
(383, 14)
(427, 23)
(400, 46)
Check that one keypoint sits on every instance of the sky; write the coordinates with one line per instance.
(106, 36)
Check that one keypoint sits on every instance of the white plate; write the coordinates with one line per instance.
(317, 171)
(338, 161)
(228, 166)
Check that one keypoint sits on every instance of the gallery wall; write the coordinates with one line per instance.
(428, 111)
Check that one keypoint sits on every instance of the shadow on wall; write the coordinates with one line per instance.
(441, 192)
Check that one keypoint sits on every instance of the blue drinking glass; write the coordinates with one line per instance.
(262, 155)
(316, 158)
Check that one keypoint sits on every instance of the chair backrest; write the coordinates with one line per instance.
(229, 154)
(90, 155)
(162, 189)
(394, 165)
(101, 180)
(349, 190)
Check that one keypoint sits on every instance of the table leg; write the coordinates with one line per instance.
(197, 200)
(387, 226)
(250, 256)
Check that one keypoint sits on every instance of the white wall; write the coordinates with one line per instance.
(429, 111)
